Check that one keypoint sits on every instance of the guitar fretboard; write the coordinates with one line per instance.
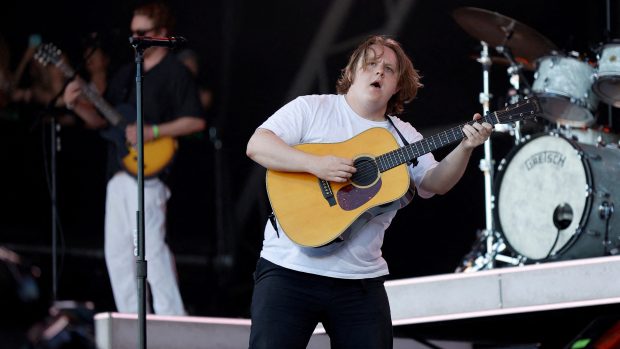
(522, 110)
(114, 117)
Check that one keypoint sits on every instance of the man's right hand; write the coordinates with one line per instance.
(333, 168)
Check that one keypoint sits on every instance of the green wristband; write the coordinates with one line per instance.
(155, 129)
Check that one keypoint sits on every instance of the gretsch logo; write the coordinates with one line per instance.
(545, 157)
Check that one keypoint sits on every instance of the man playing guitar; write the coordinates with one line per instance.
(171, 109)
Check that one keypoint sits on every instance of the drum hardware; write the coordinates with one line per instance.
(523, 63)
(605, 210)
(486, 164)
(600, 135)
(481, 257)
(516, 78)
(489, 246)
(515, 69)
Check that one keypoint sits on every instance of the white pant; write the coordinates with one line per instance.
(121, 239)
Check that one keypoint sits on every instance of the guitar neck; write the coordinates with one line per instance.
(520, 111)
(113, 116)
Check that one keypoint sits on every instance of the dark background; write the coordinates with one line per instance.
(251, 53)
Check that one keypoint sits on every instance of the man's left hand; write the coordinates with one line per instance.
(477, 133)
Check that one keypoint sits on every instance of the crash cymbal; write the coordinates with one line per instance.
(525, 64)
(498, 30)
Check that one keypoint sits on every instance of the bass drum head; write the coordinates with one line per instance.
(540, 196)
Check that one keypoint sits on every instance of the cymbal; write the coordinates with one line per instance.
(525, 64)
(498, 30)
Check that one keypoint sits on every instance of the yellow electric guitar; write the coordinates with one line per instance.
(158, 153)
(313, 212)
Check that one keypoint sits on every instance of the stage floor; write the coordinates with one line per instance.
(544, 305)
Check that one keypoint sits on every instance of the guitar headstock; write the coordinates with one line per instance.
(48, 53)
(524, 109)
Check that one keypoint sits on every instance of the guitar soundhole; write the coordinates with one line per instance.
(367, 171)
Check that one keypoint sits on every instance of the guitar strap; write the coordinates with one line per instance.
(272, 219)
(413, 162)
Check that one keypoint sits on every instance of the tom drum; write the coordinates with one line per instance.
(607, 78)
(564, 87)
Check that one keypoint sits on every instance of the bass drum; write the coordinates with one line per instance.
(555, 199)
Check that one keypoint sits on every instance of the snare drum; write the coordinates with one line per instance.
(555, 198)
(607, 78)
(564, 87)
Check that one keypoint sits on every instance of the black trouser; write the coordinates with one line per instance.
(287, 305)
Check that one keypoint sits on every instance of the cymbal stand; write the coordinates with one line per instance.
(486, 164)
(490, 242)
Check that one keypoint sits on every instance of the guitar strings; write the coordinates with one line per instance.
(371, 168)
(366, 170)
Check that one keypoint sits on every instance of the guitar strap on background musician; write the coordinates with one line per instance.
(412, 163)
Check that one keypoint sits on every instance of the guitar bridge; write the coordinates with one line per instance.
(327, 191)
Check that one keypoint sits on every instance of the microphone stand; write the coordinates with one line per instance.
(141, 263)
(140, 44)
(55, 148)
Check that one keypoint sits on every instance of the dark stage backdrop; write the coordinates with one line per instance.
(251, 54)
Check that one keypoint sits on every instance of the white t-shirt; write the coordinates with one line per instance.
(330, 119)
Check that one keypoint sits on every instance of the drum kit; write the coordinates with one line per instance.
(553, 196)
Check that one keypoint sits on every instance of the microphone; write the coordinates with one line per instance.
(147, 41)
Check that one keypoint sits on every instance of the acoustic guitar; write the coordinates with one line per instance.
(158, 153)
(313, 212)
